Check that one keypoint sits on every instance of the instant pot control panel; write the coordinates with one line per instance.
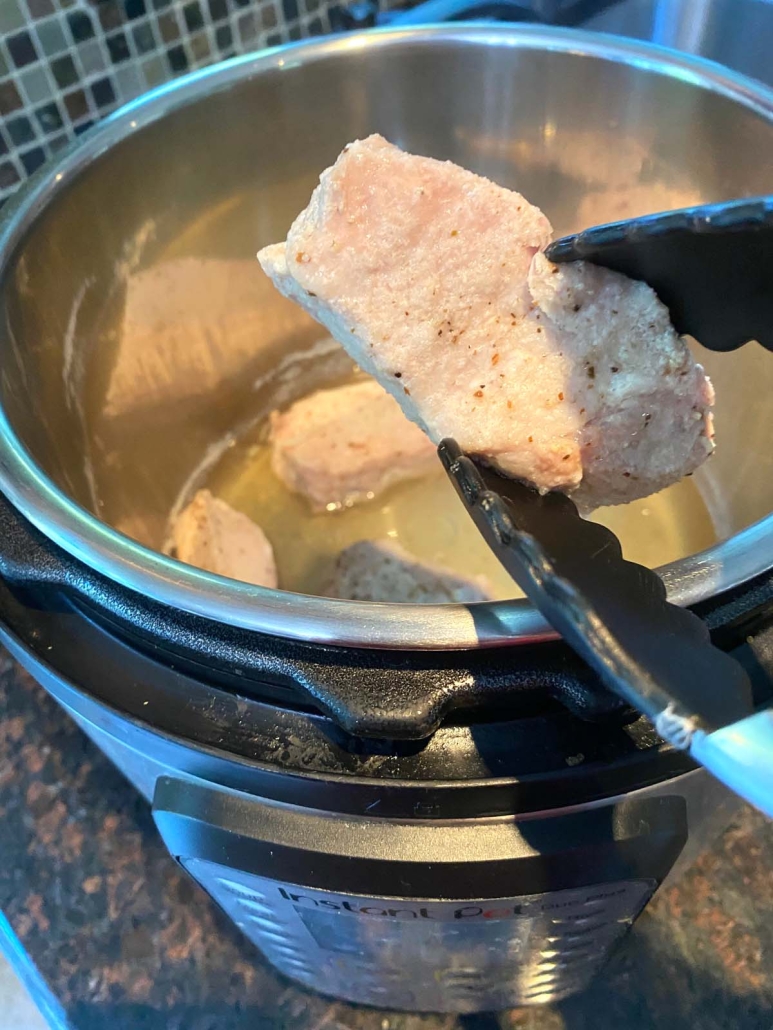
(484, 914)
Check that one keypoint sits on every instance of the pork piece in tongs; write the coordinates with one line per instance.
(557, 367)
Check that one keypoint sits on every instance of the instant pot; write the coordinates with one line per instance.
(425, 807)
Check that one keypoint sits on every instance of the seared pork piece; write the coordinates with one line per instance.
(214, 537)
(381, 570)
(568, 377)
(341, 446)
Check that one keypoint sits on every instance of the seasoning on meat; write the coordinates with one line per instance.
(378, 240)
(342, 446)
(214, 537)
(381, 570)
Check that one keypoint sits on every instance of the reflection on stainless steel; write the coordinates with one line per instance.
(228, 157)
(737, 33)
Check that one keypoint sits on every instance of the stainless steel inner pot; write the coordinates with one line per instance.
(588, 127)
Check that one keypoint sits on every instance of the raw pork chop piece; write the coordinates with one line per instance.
(381, 570)
(569, 377)
(214, 537)
(341, 446)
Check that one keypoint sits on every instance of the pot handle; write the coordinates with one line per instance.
(27, 557)
(368, 693)
(376, 694)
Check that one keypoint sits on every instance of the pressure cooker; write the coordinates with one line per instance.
(430, 807)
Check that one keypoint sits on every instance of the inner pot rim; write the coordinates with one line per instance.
(316, 619)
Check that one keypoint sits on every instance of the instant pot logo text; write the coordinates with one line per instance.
(562, 901)
(403, 911)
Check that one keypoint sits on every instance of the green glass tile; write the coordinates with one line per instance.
(129, 84)
(11, 16)
(91, 57)
(37, 85)
(51, 36)
(154, 72)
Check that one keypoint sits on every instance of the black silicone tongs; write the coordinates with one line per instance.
(713, 267)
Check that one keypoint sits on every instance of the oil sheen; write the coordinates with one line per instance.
(428, 520)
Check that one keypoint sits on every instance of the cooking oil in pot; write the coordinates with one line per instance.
(427, 519)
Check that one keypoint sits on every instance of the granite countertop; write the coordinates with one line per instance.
(124, 940)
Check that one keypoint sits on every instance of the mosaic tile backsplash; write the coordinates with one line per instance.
(66, 63)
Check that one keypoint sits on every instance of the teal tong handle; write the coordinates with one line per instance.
(741, 756)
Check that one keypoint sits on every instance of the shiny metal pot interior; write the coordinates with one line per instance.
(578, 123)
